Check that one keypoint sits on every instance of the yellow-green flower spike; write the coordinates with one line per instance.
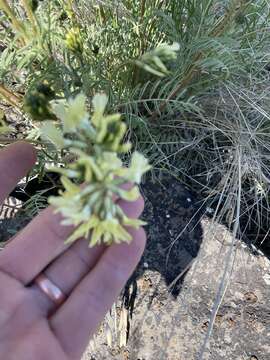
(155, 60)
(95, 178)
(74, 40)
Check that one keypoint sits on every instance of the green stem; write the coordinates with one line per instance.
(30, 15)
(102, 15)
(231, 13)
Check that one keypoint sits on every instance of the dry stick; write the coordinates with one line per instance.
(143, 9)
(10, 97)
(182, 273)
(229, 264)
(4, 141)
(186, 81)
(7, 141)
(12, 207)
(236, 7)
(217, 31)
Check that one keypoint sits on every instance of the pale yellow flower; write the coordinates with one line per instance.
(84, 229)
(139, 165)
(73, 114)
(154, 61)
(96, 144)
(50, 131)
(109, 231)
(99, 104)
(74, 41)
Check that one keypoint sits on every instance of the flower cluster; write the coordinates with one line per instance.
(155, 61)
(94, 180)
(37, 102)
(74, 40)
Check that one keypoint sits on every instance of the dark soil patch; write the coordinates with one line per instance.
(174, 231)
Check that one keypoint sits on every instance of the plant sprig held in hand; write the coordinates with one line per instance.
(96, 143)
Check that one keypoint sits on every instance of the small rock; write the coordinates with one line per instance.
(251, 297)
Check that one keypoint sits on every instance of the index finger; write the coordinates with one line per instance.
(15, 162)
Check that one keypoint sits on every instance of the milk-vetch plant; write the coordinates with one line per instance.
(191, 78)
(95, 178)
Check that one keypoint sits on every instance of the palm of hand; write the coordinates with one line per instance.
(30, 325)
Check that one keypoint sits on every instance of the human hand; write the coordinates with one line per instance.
(31, 327)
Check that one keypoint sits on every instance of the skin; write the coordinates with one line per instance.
(30, 326)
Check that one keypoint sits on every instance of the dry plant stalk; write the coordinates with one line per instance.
(10, 97)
